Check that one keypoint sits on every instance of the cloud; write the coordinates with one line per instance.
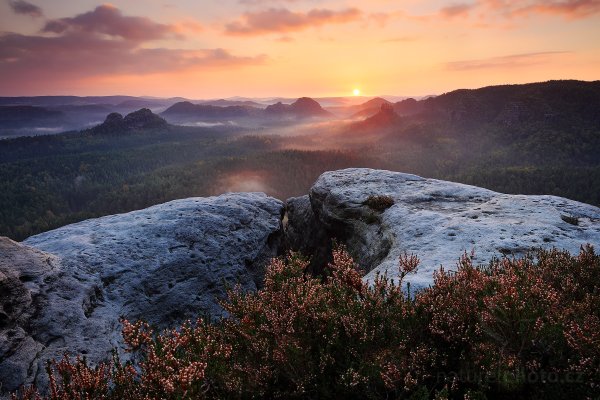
(400, 39)
(509, 61)
(572, 9)
(281, 20)
(99, 44)
(84, 55)
(109, 20)
(253, 2)
(488, 13)
(456, 10)
(188, 26)
(285, 39)
(25, 8)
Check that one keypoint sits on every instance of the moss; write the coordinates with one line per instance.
(379, 203)
(569, 219)
(372, 218)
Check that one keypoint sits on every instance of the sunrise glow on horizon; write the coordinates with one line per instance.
(262, 48)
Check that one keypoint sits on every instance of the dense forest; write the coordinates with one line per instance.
(540, 139)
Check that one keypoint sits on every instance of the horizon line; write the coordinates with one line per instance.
(264, 98)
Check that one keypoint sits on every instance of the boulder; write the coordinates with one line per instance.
(304, 234)
(65, 290)
(439, 221)
(23, 273)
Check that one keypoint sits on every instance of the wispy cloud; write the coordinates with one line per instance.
(509, 61)
(281, 20)
(25, 8)
(499, 13)
(400, 39)
(457, 10)
(84, 55)
(259, 2)
(572, 9)
(109, 20)
(103, 42)
(285, 39)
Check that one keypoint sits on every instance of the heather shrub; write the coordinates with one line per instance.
(525, 327)
(517, 328)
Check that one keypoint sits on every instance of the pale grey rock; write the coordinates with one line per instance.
(164, 264)
(64, 290)
(23, 270)
(439, 221)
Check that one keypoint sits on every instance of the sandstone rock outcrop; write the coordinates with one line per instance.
(439, 220)
(65, 290)
(23, 272)
(304, 233)
(304, 107)
(139, 120)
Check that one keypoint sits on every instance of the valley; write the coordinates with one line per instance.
(516, 139)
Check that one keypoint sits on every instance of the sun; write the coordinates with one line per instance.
(356, 92)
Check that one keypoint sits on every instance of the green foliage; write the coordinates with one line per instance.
(47, 182)
(531, 139)
(569, 219)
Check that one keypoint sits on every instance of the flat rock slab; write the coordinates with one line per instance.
(439, 221)
(164, 264)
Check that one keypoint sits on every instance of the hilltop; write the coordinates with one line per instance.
(537, 146)
(304, 107)
(137, 121)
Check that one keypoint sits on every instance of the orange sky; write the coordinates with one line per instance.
(261, 48)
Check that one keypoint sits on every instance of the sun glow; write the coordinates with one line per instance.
(356, 92)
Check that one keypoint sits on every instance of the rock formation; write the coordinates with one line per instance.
(135, 121)
(65, 290)
(23, 335)
(439, 220)
(304, 107)
(305, 234)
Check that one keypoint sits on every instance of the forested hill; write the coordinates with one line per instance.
(566, 102)
(541, 138)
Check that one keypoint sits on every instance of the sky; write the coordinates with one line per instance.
(264, 48)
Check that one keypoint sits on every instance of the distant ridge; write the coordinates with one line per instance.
(385, 118)
(370, 107)
(19, 116)
(376, 102)
(551, 104)
(187, 109)
(227, 103)
(565, 102)
(304, 107)
(408, 106)
(139, 120)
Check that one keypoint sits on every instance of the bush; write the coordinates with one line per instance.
(520, 328)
